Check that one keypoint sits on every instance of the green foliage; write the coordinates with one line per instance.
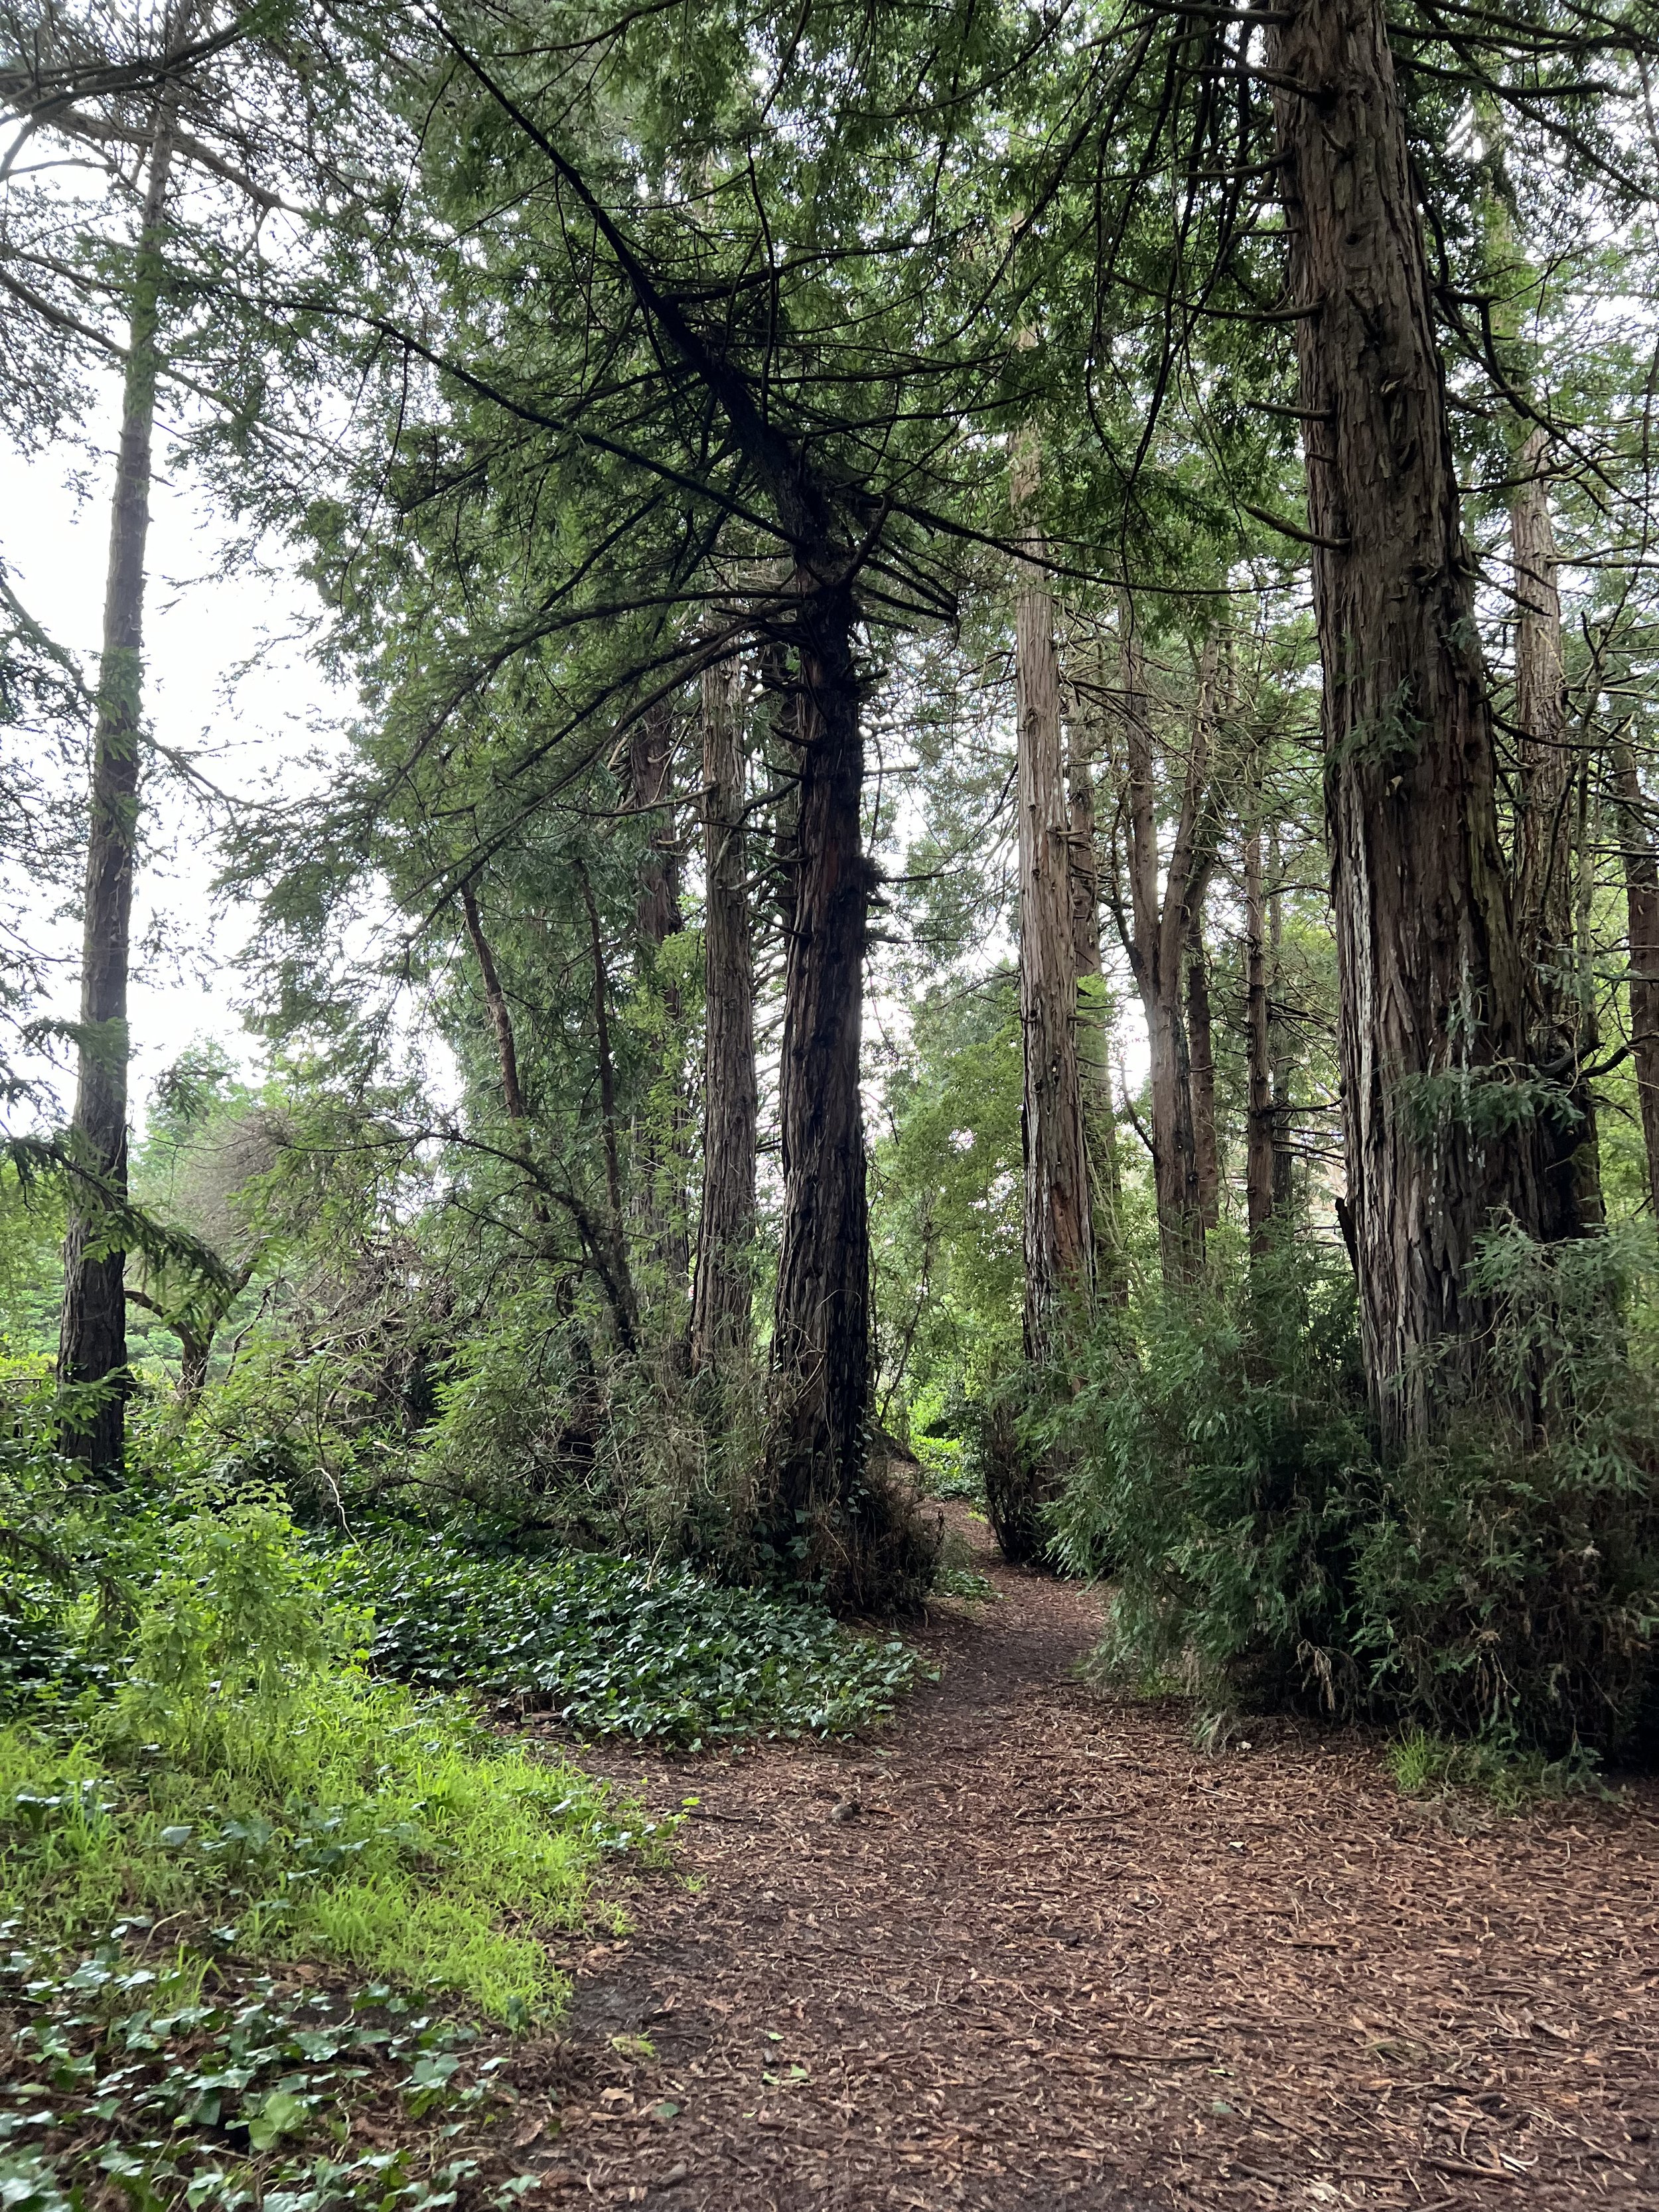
(597, 1450)
(1510, 1583)
(1504, 1586)
(247, 1774)
(949, 1266)
(1220, 1455)
(619, 1649)
(1425, 1765)
(123, 2073)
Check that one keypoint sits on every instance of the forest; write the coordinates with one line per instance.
(892, 1438)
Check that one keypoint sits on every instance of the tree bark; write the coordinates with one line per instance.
(1544, 877)
(1641, 905)
(501, 1016)
(1059, 1244)
(723, 1293)
(1279, 1031)
(1259, 1194)
(1448, 1122)
(625, 1303)
(659, 1130)
(824, 1512)
(1201, 1035)
(1154, 937)
(93, 1343)
(1093, 1009)
(1564, 1024)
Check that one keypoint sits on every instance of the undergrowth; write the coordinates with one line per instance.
(129, 2083)
(615, 1648)
(251, 1785)
(1425, 1766)
(1500, 1586)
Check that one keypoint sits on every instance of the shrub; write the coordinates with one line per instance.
(1505, 1584)
(1217, 1477)
(1509, 1584)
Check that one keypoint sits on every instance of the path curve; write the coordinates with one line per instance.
(1057, 1957)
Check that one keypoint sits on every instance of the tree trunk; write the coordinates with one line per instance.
(1201, 1035)
(824, 1512)
(625, 1302)
(723, 1295)
(92, 1345)
(1279, 1031)
(659, 1132)
(1641, 901)
(1059, 1246)
(501, 1016)
(501, 1022)
(1154, 942)
(1259, 1179)
(1544, 878)
(1564, 1023)
(1093, 1010)
(1434, 1050)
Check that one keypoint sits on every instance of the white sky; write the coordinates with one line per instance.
(227, 681)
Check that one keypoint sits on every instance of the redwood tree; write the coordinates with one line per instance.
(1449, 1124)
(723, 1293)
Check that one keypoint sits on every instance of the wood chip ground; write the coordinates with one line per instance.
(1030, 1949)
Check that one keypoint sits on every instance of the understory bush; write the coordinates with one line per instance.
(599, 1452)
(1504, 1584)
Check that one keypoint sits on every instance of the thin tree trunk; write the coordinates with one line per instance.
(1154, 942)
(1563, 1025)
(502, 1026)
(1059, 1244)
(627, 1300)
(501, 1016)
(825, 1512)
(1642, 904)
(1279, 1031)
(1201, 1035)
(1093, 1010)
(659, 1132)
(1432, 973)
(723, 1294)
(1259, 1150)
(1544, 878)
(92, 1345)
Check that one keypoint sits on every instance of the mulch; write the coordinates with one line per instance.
(1030, 1949)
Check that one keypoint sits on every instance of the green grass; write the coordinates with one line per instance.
(614, 1648)
(1425, 1766)
(251, 1786)
(357, 1825)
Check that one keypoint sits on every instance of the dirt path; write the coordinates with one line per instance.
(1057, 1957)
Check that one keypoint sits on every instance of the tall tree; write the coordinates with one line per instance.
(1260, 1195)
(1641, 869)
(1156, 929)
(660, 1127)
(1449, 1124)
(94, 1342)
(724, 1291)
(1093, 1004)
(1058, 1243)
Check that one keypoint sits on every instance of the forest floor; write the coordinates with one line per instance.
(1028, 1949)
